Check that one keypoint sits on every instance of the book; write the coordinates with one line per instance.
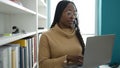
(30, 52)
(22, 57)
(12, 55)
(26, 58)
(35, 50)
(5, 57)
(25, 52)
(13, 58)
(15, 55)
(22, 42)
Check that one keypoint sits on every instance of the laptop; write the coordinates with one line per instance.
(98, 51)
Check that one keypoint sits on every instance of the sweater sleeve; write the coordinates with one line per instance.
(44, 55)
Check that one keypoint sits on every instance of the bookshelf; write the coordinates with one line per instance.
(29, 16)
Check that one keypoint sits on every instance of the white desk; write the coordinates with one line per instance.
(106, 66)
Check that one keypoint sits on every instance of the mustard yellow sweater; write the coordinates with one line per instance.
(55, 44)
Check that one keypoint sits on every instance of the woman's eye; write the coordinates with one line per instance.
(68, 13)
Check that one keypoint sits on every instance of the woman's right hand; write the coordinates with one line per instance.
(75, 59)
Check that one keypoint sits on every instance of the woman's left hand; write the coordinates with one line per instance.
(80, 60)
(75, 59)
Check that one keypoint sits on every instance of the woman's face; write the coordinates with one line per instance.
(68, 16)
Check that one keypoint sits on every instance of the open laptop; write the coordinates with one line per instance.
(98, 51)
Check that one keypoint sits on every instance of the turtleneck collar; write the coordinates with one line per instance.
(65, 31)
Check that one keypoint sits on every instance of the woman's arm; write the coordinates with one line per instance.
(44, 55)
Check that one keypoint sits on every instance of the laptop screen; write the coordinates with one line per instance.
(98, 50)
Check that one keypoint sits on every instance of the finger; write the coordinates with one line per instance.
(80, 60)
(80, 56)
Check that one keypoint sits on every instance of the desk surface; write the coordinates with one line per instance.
(106, 66)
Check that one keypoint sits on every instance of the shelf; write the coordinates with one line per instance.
(8, 39)
(11, 7)
(42, 16)
(41, 30)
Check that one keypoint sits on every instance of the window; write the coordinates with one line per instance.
(86, 12)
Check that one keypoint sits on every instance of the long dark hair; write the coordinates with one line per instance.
(59, 10)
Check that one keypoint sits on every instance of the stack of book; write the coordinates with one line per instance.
(19, 54)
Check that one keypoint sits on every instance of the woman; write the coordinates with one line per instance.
(62, 44)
